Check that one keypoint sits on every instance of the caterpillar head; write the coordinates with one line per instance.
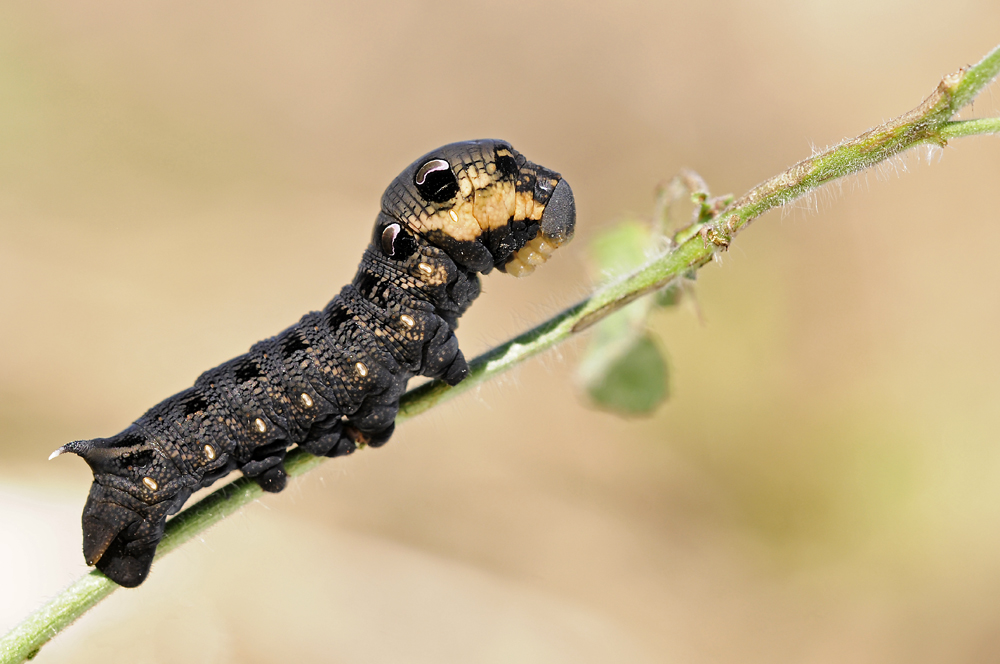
(132, 494)
(481, 202)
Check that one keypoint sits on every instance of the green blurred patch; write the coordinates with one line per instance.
(634, 383)
(621, 248)
(623, 369)
(836, 483)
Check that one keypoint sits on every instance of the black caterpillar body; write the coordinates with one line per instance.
(333, 380)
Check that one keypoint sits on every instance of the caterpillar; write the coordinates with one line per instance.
(332, 381)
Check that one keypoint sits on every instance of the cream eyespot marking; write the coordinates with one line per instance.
(407, 321)
(362, 369)
(209, 452)
(306, 400)
(454, 217)
(150, 482)
(430, 167)
(388, 237)
(426, 269)
(261, 425)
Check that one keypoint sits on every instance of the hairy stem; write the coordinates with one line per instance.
(962, 128)
(693, 247)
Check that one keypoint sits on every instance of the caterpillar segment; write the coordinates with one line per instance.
(332, 381)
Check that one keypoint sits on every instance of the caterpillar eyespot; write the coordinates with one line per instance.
(397, 243)
(436, 182)
(332, 382)
(430, 167)
(388, 237)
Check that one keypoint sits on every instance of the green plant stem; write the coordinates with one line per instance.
(693, 247)
(962, 128)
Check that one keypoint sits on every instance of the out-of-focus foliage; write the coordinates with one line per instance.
(623, 369)
(634, 382)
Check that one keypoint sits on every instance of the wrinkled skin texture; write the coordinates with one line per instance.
(333, 380)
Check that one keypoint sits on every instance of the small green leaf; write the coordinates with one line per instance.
(669, 296)
(623, 370)
(621, 248)
(634, 383)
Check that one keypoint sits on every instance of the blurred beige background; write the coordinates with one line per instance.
(181, 179)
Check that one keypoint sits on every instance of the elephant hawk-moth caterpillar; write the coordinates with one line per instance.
(333, 380)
